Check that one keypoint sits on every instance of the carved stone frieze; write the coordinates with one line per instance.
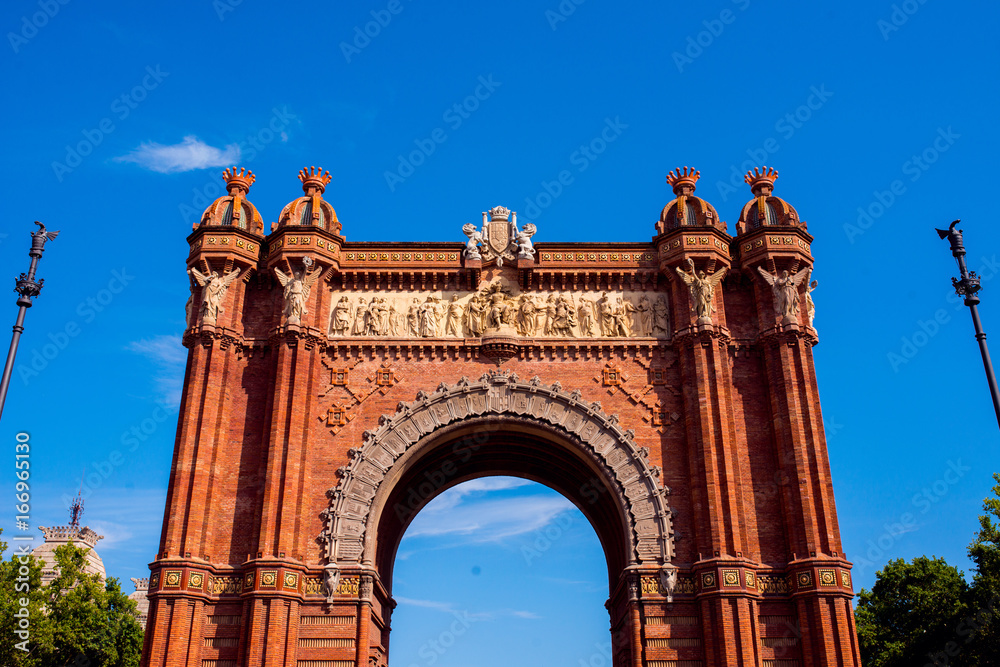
(349, 521)
(499, 308)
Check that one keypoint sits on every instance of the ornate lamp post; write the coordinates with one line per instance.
(28, 288)
(968, 286)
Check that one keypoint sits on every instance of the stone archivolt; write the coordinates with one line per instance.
(351, 519)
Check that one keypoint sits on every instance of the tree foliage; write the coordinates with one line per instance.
(77, 620)
(911, 611)
(925, 613)
(985, 555)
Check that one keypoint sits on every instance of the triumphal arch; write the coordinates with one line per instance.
(666, 387)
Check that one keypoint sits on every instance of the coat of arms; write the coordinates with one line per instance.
(499, 239)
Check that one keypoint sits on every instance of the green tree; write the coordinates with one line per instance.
(912, 613)
(76, 620)
(20, 581)
(983, 625)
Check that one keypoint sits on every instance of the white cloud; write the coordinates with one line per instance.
(450, 608)
(488, 520)
(191, 153)
(170, 357)
(427, 604)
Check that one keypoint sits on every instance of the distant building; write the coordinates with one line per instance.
(141, 585)
(58, 536)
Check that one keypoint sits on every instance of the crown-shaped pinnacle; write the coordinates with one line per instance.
(683, 180)
(761, 180)
(241, 179)
(313, 178)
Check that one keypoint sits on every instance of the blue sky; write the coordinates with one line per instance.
(880, 117)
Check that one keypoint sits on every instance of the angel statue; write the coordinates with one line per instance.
(523, 238)
(213, 292)
(810, 306)
(702, 289)
(297, 287)
(475, 238)
(785, 289)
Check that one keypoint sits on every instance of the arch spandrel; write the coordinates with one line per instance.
(351, 521)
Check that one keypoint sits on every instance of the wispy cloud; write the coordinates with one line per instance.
(458, 512)
(169, 356)
(448, 607)
(192, 153)
(451, 608)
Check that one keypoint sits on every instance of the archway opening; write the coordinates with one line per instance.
(500, 571)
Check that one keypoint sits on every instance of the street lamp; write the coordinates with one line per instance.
(968, 286)
(28, 288)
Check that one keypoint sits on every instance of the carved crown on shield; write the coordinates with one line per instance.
(496, 241)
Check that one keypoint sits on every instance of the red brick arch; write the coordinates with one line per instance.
(497, 425)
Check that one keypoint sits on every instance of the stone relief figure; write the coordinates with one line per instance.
(642, 318)
(564, 317)
(297, 287)
(549, 313)
(213, 291)
(371, 318)
(453, 326)
(397, 321)
(413, 317)
(527, 313)
(340, 321)
(331, 579)
(475, 239)
(474, 315)
(430, 317)
(702, 289)
(360, 317)
(623, 317)
(810, 306)
(501, 310)
(523, 239)
(668, 581)
(661, 317)
(785, 290)
(606, 315)
(587, 317)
